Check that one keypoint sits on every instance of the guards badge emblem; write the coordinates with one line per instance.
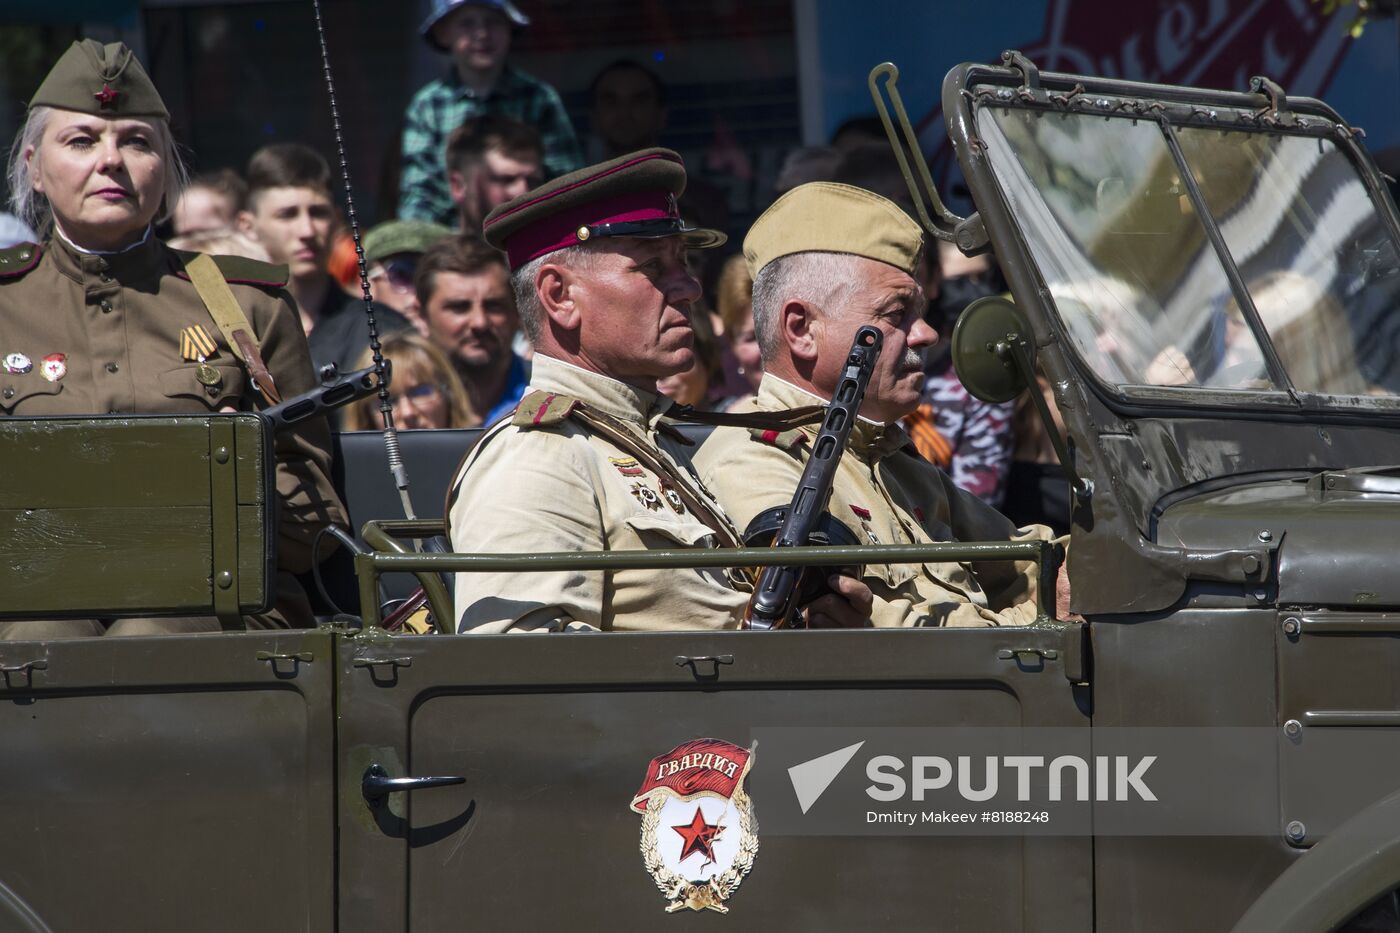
(699, 836)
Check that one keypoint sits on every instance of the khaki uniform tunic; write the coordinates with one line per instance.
(885, 494)
(546, 481)
(118, 318)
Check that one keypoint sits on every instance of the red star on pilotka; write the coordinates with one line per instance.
(699, 837)
(107, 96)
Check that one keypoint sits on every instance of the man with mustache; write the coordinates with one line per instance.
(598, 266)
(463, 287)
(827, 258)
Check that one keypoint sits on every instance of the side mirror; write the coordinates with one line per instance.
(995, 358)
(981, 348)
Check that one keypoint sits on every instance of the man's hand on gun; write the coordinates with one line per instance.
(846, 606)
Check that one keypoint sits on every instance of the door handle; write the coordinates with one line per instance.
(376, 784)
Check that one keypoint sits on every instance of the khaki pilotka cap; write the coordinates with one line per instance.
(827, 217)
(103, 80)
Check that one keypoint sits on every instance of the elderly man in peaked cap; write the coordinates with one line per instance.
(826, 259)
(598, 267)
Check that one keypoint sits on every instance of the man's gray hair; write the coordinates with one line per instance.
(817, 277)
(33, 208)
(522, 282)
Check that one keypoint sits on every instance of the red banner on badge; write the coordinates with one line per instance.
(702, 766)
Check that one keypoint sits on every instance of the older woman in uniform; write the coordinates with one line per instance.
(101, 317)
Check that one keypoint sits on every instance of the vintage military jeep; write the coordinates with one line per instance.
(1203, 278)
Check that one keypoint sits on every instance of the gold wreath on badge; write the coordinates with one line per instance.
(699, 835)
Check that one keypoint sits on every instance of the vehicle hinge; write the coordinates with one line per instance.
(1076, 652)
(971, 236)
(1030, 75)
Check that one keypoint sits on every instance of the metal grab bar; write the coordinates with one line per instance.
(391, 557)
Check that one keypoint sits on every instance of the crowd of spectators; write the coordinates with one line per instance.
(485, 132)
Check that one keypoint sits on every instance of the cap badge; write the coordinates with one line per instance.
(107, 97)
(18, 364)
(54, 366)
(699, 837)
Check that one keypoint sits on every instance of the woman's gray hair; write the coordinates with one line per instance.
(33, 208)
(522, 282)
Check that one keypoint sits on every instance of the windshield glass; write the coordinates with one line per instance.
(1315, 254)
(1118, 242)
(1142, 292)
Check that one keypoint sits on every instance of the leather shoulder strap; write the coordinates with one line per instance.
(232, 322)
(625, 440)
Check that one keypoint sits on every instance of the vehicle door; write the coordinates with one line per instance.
(168, 783)
(554, 734)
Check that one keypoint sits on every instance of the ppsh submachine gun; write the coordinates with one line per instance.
(780, 590)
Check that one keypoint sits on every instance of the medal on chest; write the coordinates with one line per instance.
(54, 366)
(17, 364)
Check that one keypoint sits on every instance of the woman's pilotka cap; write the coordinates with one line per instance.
(630, 196)
(103, 80)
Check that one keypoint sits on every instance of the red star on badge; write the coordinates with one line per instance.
(107, 96)
(699, 837)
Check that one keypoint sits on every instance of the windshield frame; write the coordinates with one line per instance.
(971, 88)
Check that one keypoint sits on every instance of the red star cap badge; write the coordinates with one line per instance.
(699, 837)
(107, 96)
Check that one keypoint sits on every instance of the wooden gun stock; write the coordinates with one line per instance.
(774, 598)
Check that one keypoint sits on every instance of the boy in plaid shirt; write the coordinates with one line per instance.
(477, 34)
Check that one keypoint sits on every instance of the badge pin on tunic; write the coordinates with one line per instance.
(18, 364)
(646, 496)
(207, 375)
(54, 366)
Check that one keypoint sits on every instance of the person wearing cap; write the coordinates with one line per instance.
(477, 35)
(101, 317)
(586, 464)
(827, 258)
(392, 250)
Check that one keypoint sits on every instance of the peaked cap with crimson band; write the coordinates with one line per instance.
(630, 196)
(103, 80)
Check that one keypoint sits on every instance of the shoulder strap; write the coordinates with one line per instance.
(605, 427)
(785, 440)
(540, 409)
(232, 322)
(763, 420)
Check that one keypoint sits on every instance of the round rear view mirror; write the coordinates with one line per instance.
(981, 349)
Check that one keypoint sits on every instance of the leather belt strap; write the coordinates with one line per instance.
(626, 440)
(232, 322)
(763, 420)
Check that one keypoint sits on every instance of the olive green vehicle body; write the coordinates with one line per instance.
(1233, 558)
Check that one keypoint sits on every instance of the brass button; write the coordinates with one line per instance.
(112, 367)
(9, 392)
(212, 390)
(105, 305)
